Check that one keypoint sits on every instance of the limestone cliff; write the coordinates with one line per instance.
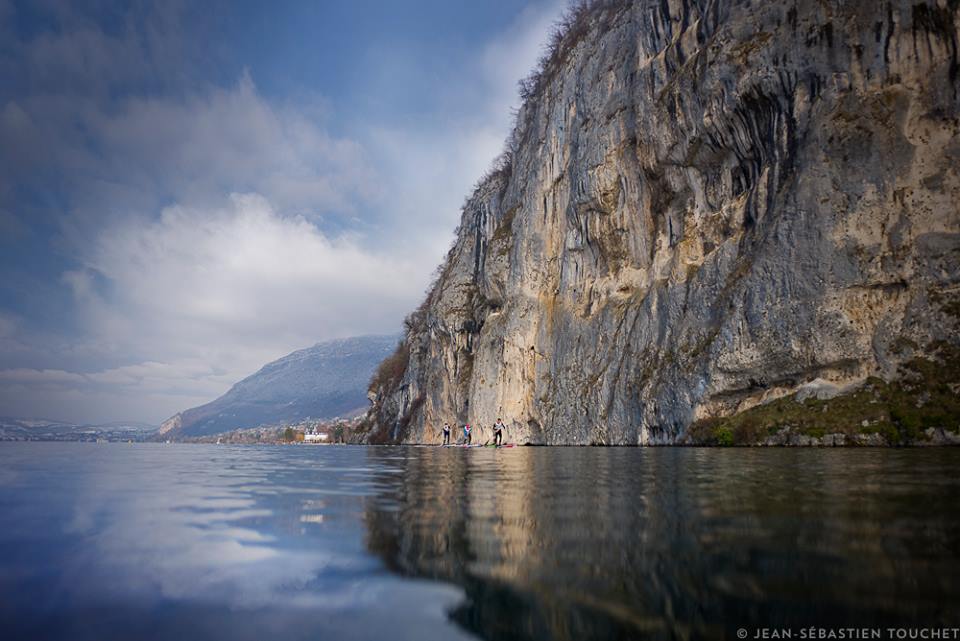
(706, 205)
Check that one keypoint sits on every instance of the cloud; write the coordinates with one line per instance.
(204, 297)
(233, 139)
(435, 167)
(244, 269)
(40, 376)
(513, 55)
(205, 228)
(150, 151)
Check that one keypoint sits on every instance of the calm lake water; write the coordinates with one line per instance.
(231, 542)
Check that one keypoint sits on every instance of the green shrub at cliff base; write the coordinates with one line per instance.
(722, 435)
(926, 396)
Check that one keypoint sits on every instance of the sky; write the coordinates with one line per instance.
(191, 190)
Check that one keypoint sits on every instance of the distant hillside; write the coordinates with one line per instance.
(327, 380)
(32, 429)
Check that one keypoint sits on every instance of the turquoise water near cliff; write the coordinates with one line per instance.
(231, 542)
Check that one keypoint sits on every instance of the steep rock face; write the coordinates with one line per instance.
(709, 205)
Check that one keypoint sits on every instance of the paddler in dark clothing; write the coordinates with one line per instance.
(498, 432)
(446, 433)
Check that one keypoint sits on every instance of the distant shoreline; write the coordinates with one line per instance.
(821, 445)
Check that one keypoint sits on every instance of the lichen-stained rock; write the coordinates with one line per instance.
(706, 206)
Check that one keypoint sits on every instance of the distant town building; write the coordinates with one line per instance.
(316, 437)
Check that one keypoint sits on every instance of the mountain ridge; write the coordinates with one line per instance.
(326, 380)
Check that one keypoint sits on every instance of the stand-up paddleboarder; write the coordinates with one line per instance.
(498, 432)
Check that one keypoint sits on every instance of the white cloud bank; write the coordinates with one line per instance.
(208, 296)
(242, 269)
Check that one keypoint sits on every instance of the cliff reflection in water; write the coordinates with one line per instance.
(620, 543)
